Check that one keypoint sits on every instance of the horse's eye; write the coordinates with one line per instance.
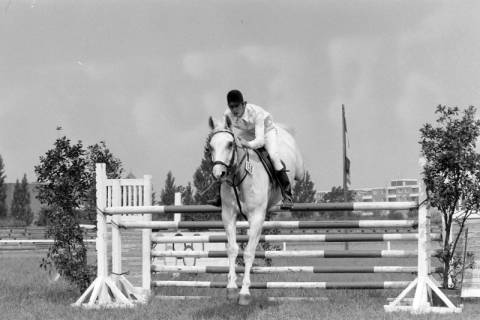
(208, 149)
(230, 145)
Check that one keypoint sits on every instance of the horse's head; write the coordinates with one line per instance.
(222, 146)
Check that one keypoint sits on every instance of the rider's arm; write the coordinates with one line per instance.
(259, 140)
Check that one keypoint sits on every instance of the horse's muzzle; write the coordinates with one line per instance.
(219, 171)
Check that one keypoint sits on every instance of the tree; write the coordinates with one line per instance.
(43, 217)
(205, 185)
(167, 195)
(451, 174)
(304, 191)
(66, 174)
(202, 178)
(187, 198)
(20, 207)
(64, 187)
(3, 190)
(15, 205)
(336, 194)
(187, 194)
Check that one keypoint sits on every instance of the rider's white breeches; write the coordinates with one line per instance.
(271, 145)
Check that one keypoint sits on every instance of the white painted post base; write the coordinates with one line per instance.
(420, 303)
(103, 293)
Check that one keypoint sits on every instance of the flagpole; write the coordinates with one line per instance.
(345, 190)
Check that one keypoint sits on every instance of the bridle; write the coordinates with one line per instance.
(231, 174)
(232, 159)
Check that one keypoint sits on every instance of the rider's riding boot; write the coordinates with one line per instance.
(286, 189)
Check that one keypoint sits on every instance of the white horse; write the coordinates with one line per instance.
(256, 194)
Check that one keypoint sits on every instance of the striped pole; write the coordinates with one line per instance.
(282, 285)
(289, 269)
(292, 238)
(334, 206)
(165, 225)
(269, 299)
(293, 253)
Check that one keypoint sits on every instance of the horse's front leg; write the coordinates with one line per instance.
(255, 220)
(229, 218)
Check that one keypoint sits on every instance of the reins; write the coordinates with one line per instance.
(232, 170)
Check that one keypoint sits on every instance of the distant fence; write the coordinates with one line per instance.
(34, 238)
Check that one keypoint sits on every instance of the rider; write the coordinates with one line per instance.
(254, 128)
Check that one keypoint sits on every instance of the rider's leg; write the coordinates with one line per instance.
(272, 149)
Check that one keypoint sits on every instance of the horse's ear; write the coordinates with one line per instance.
(211, 123)
(228, 123)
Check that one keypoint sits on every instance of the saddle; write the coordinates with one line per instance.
(268, 165)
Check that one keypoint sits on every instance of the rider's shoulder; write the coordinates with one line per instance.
(256, 110)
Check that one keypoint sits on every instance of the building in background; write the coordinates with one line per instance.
(398, 190)
(403, 190)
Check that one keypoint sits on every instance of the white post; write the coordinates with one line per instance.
(420, 302)
(103, 291)
(116, 239)
(177, 217)
(102, 260)
(146, 238)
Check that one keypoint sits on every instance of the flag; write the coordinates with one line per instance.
(347, 170)
(346, 161)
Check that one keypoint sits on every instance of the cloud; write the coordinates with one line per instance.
(146, 116)
(212, 103)
(352, 62)
(440, 61)
(277, 72)
(420, 95)
(195, 64)
(450, 19)
(444, 47)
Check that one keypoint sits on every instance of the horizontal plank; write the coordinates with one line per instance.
(293, 285)
(289, 269)
(291, 253)
(297, 207)
(350, 224)
(291, 238)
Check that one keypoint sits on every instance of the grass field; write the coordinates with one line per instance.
(26, 293)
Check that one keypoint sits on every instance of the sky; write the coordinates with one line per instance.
(144, 76)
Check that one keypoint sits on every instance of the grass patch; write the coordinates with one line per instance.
(26, 293)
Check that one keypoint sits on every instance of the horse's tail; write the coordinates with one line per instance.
(286, 136)
(287, 128)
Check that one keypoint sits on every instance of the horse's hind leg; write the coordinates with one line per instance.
(256, 221)
(229, 220)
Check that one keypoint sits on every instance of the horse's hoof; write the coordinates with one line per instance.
(232, 294)
(244, 299)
